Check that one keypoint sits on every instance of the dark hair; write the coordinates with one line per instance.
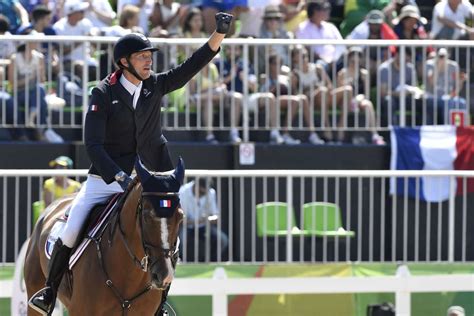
(317, 5)
(39, 12)
(191, 14)
(4, 23)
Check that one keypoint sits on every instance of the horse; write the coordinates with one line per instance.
(110, 278)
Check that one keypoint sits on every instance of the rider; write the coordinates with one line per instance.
(123, 120)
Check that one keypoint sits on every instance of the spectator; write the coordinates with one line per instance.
(444, 82)
(7, 48)
(272, 27)
(394, 8)
(211, 7)
(26, 76)
(127, 23)
(199, 202)
(391, 87)
(409, 25)
(193, 27)
(146, 7)
(449, 20)
(77, 25)
(166, 16)
(311, 80)
(251, 17)
(15, 14)
(279, 85)
(317, 27)
(100, 13)
(374, 27)
(456, 311)
(59, 186)
(29, 5)
(207, 92)
(354, 79)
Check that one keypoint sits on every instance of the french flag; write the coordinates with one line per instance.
(165, 203)
(431, 148)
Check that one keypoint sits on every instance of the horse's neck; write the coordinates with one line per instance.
(128, 214)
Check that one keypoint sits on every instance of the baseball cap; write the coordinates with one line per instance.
(63, 161)
(72, 6)
(456, 310)
(442, 52)
(375, 17)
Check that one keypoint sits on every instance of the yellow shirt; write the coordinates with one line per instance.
(59, 191)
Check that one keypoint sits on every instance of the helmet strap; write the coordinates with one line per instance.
(132, 70)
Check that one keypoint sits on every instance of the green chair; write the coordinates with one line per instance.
(324, 220)
(272, 220)
(38, 208)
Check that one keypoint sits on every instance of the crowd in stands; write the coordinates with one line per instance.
(284, 83)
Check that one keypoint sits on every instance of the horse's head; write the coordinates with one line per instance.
(160, 218)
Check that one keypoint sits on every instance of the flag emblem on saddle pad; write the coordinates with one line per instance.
(165, 203)
(94, 108)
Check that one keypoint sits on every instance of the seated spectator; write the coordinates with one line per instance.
(100, 13)
(145, 6)
(355, 79)
(409, 25)
(7, 48)
(208, 92)
(317, 27)
(199, 203)
(166, 15)
(394, 8)
(193, 27)
(59, 186)
(26, 76)
(374, 27)
(211, 7)
(251, 17)
(444, 81)
(279, 85)
(15, 13)
(449, 20)
(311, 80)
(75, 24)
(391, 88)
(272, 27)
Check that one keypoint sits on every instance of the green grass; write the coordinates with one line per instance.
(6, 273)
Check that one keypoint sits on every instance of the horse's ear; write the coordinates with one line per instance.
(142, 172)
(179, 171)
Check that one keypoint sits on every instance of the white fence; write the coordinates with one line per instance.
(243, 103)
(403, 285)
(385, 227)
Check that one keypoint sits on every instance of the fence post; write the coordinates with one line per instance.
(219, 297)
(452, 196)
(289, 218)
(245, 108)
(403, 74)
(402, 296)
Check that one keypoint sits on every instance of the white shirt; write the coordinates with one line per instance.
(82, 28)
(196, 208)
(442, 9)
(132, 89)
(328, 53)
(102, 6)
(167, 13)
(145, 11)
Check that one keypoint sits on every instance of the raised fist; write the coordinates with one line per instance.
(223, 21)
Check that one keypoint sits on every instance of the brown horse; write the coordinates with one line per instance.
(131, 266)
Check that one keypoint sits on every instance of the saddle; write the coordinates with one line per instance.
(94, 226)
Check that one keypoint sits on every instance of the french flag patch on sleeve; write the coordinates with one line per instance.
(165, 203)
(94, 108)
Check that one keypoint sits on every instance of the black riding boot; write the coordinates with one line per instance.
(43, 301)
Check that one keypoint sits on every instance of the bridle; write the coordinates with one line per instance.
(143, 264)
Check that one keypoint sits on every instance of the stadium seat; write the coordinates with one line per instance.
(272, 220)
(324, 220)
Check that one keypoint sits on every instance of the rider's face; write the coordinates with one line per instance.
(142, 62)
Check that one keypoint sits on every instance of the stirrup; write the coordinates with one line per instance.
(38, 305)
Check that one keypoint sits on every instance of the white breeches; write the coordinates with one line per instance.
(94, 191)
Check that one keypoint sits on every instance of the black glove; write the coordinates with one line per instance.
(123, 179)
(223, 21)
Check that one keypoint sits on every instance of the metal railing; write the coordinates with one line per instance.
(374, 226)
(249, 101)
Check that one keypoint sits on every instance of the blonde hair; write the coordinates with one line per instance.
(128, 12)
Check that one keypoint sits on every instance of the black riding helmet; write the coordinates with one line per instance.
(129, 44)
